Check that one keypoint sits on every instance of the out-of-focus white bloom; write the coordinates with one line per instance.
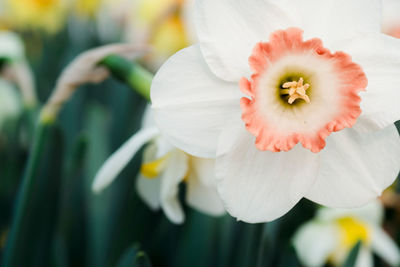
(163, 168)
(11, 46)
(17, 69)
(391, 17)
(10, 104)
(294, 99)
(332, 234)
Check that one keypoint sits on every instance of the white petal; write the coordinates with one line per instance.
(330, 20)
(119, 159)
(364, 258)
(379, 56)
(161, 145)
(229, 29)
(390, 15)
(148, 118)
(188, 19)
(11, 46)
(259, 186)
(385, 247)
(149, 191)
(191, 104)
(371, 213)
(202, 189)
(174, 173)
(355, 168)
(315, 242)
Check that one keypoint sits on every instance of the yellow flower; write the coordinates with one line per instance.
(162, 25)
(164, 168)
(87, 8)
(48, 15)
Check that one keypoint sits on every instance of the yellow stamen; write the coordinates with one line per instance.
(153, 169)
(296, 90)
(352, 231)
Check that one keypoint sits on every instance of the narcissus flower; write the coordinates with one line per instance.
(15, 69)
(391, 18)
(332, 234)
(294, 99)
(163, 168)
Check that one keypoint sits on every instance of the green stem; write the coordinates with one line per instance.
(25, 196)
(130, 73)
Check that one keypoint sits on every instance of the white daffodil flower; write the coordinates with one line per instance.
(332, 234)
(10, 103)
(391, 17)
(163, 168)
(305, 63)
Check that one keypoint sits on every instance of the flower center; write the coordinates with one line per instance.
(287, 73)
(295, 90)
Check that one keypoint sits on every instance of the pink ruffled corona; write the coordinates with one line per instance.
(299, 92)
(396, 32)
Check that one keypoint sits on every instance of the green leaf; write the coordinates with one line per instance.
(36, 208)
(128, 257)
(352, 256)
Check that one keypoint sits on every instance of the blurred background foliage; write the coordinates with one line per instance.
(67, 225)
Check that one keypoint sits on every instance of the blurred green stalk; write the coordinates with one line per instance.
(25, 197)
(134, 76)
(130, 73)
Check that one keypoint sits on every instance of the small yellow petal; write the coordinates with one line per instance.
(153, 169)
(353, 230)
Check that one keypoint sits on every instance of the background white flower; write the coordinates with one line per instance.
(164, 168)
(334, 232)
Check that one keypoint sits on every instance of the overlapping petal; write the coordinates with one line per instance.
(331, 20)
(259, 186)
(191, 104)
(173, 175)
(385, 247)
(355, 168)
(379, 56)
(202, 189)
(149, 191)
(120, 158)
(229, 29)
